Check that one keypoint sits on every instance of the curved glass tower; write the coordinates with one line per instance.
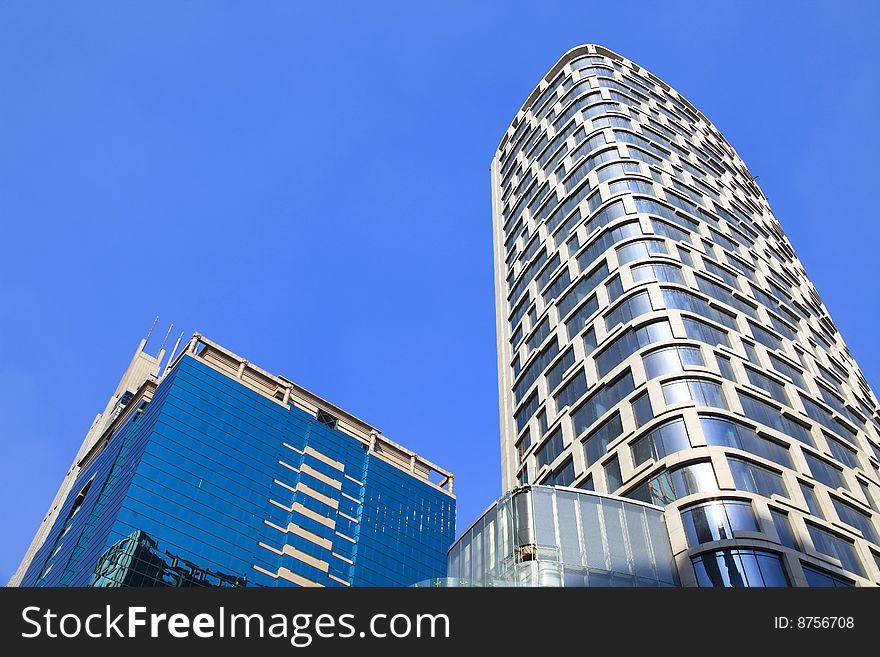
(658, 339)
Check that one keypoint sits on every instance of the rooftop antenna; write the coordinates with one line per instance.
(166, 336)
(173, 352)
(150, 332)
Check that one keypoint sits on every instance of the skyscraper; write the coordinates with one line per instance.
(217, 473)
(659, 340)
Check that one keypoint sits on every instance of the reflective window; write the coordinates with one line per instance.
(725, 433)
(718, 520)
(614, 288)
(823, 471)
(661, 442)
(656, 271)
(552, 447)
(783, 529)
(671, 359)
(842, 452)
(612, 475)
(571, 391)
(821, 578)
(670, 485)
(681, 300)
(629, 342)
(601, 401)
(702, 393)
(628, 310)
(740, 568)
(836, 546)
(640, 250)
(811, 500)
(596, 444)
(769, 415)
(857, 518)
(787, 370)
(560, 367)
(642, 410)
(697, 330)
(775, 389)
(755, 478)
(579, 319)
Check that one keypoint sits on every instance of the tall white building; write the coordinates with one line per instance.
(658, 339)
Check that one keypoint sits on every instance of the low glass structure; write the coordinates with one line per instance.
(565, 537)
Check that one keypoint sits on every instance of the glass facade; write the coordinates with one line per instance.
(214, 482)
(667, 255)
(550, 536)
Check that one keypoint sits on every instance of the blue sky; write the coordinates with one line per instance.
(307, 184)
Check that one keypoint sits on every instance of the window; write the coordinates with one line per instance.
(602, 243)
(681, 300)
(685, 256)
(787, 370)
(326, 419)
(640, 250)
(601, 402)
(670, 485)
(835, 546)
(672, 232)
(523, 445)
(765, 337)
(555, 373)
(590, 342)
(756, 478)
(725, 433)
(823, 471)
(614, 288)
(596, 444)
(628, 310)
(562, 476)
(587, 484)
(725, 367)
(629, 342)
(702, 393)
(525, 412)
(571, 391)
(820, 578)
(769, 415)
(722, 294)
(824, 418)
(661, 442)
(533, 370)
(857, 518)
(702, 332)
(751, 353)
(657, 271)
(616, 170)
(783, 529)
(613, 478)
(775, 389)
(842, 452)
(561, 283)
(579, 319)
(739, 568)
(719, 520)
(672, 359)
(721, 273)
(581, 290)
(811, 500)
(551, 448)
(642, 410)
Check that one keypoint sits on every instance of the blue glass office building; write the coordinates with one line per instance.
(220, 474)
